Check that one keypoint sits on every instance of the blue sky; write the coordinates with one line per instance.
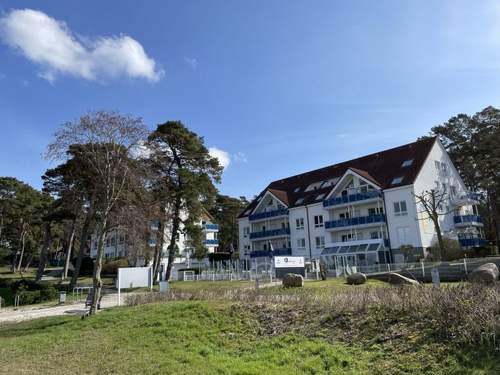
(281, 87)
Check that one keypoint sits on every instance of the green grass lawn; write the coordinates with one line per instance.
(200, 337)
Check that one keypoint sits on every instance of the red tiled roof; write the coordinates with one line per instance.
(380, 168)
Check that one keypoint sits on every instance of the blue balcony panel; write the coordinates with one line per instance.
(270, 233)
(211, 227)
(472, 242)
(351, 198)
(269, 253)
(361, 220)
(268, 214)
(211, 242)
(467, 219)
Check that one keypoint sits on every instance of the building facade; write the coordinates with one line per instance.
(117, 244)
(360, 212)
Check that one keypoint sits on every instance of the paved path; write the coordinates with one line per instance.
(10, 314)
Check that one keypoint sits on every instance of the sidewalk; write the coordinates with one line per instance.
(11, 314)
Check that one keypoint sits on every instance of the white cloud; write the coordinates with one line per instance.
(192, 62)
(240, 157)
(223, 156)
(50, 43)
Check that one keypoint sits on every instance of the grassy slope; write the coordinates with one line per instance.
(209, 338)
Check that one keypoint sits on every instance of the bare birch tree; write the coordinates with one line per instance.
(108, 138)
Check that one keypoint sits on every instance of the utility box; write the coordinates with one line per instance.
(62, 297)
(163, 286)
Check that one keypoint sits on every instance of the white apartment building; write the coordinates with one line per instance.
(116, 244)
(360, 212)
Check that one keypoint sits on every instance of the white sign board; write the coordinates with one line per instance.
(288, 262)
(435, 277)
(134, 277)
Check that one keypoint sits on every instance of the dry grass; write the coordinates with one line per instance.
(464, 313)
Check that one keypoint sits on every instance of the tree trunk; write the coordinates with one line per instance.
(23, 244)
(160, 240)
(67, 257)
(437, 228)
(496, 217)
(28, 263)
(173, 236)
(47, 239)
(83, 242)
(97, 268)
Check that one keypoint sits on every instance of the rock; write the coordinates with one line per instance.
(357, 278)
(397, 279)
(293, 280)
(486, 274)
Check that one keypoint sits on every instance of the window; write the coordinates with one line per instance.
(348, 237)
(246, 231)
(444, 169)
(299, 223)
(407, 163)
(403, 235)
(108, 241)
(437, 165)
(375, 235)
(318, 221)
(320, 197)
(397, 180)
(320, 242)
(314, 186)
(400, 208)
(438, 185)
(270, 202)
(299, 201)
(121, 238)
(297, 189)
(301, 243)
(453, 190)
(375, 211)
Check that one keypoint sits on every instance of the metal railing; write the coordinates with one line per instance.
(269, 253)
(270, 233)
(467, 219)
(211, 227)
(351, 198)
(268, 214)
(361, 220)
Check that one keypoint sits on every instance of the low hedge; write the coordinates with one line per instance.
(30, 292)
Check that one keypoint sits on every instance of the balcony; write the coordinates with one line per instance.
(211, 242)
(472, 242)
(365, 221)
(270, 233)
(268, 214)
(468, 220)
(470, 198)
(351, 198)
(269, 253)
(211, 227)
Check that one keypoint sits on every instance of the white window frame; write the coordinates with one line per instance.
(398, 208)
(301, 243)
(299, 223)
(320, 242)
(318, 221)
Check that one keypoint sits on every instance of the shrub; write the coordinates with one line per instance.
(451, 251)
(30, 292)
(111, 268)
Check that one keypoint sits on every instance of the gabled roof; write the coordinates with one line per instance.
(381, 168)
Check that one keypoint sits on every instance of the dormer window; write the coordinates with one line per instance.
(407, 163)
(297, 189)
(320, 197)
(397, 180)
(299, 201)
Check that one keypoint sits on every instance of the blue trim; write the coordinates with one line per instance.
(264, 215)
(270, 233)
(467, 219)
(351, 198)
(378, 218)
(270, 254)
